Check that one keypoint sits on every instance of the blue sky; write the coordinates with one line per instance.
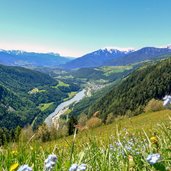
(75, 27)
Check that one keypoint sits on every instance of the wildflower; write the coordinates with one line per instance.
(111, 147)
(76, 167)
(128, 148)
(130, 142)
(73, 167)
(24, 168)
(118, 144)
(14, 152)
(82, 167)
(154, 140)
(50, 162)
(153, 158)
(167, 101)
(14, 167)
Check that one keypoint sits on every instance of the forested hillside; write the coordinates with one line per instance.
(108, 73)
(27, 96)
(21, 79)
(133, 93)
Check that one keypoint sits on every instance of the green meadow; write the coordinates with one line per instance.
(122, 146)
(108, 70)
(61, 84)
(44, 106)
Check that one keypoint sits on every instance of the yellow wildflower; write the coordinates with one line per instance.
(31, 148)
(154, 140)
(14, 167)
(14, 152)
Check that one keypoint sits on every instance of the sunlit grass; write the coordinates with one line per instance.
(61, 84)
(70, 95)
(121, 146)
(44, 106)
(36, 90)
(108, 70)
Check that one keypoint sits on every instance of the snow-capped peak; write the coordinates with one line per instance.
(116, 49)
(2, 50)
(165, 46)
(16, 52)
(168, 46)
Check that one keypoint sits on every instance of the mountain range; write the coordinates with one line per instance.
(98, 58)
(115, 57)
(144, 54)
(31, 59)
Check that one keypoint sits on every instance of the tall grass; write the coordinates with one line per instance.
(124, 150)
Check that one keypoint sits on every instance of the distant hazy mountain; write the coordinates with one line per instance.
(101, 57)
(96, 58)
(144, 54)
(116, 57)
(31, 59)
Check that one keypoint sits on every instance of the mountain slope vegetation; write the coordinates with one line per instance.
(21, 79)
(108, 73)
(135, 91)
(10, 103)
(22, 91)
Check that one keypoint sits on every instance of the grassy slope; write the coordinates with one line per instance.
(109, 70)
(44, 106)
(60, 84)
(92, 146)
(146, 121)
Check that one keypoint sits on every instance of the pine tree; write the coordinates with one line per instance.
(71, 125)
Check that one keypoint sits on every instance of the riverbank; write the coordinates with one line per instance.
(60, 109)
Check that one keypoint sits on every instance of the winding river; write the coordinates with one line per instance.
(80, 95)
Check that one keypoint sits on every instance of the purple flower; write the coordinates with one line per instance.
(167, 101)
(82, 167)
(76, 167)
(153, 158)
(73, 167)
(24, 168)
(111, 147)
(50, 162)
